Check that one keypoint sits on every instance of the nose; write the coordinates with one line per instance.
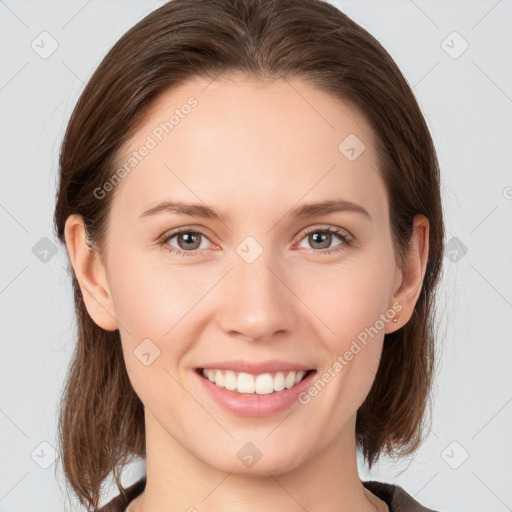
(256, 299)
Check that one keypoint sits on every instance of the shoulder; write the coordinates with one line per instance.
(397, 499)
(120, 502)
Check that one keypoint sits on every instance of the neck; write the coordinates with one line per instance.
(330, 474)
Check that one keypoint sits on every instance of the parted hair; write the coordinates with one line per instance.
(101, 419)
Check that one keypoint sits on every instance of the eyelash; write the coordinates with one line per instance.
(345, 239)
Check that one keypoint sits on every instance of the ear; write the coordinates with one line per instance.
(90, 273)
(410, 278)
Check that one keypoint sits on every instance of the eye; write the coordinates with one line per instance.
(321, 239)
(188, 241)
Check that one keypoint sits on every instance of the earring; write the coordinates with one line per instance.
(395, 319)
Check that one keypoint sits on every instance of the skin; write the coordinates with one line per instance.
(254, 150)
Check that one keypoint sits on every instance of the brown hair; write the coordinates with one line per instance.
(101, 423)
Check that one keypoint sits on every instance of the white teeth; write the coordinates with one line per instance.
(247, 383)
(264, 384)
(279, 382)
(230, 381)
(289, 381)
(219, 377)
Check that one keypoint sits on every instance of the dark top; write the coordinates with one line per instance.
(393, 495)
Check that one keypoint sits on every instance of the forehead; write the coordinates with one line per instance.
(248, 144)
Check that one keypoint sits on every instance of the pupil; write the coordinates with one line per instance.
(323, 237)
(190, 238)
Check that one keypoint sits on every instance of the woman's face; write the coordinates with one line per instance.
(259, 283)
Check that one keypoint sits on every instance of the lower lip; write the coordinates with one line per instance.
(245, 404)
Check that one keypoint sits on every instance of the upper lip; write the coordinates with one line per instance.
(256, 368)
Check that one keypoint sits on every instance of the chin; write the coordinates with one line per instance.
(248, 459)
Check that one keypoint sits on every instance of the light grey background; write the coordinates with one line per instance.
(466, 97)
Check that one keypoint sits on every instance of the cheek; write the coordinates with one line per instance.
(151, 297)
(349, 298)
(357, 313)
(153, 305)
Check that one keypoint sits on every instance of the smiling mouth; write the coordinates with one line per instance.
(260, 384)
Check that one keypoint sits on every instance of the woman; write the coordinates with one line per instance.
(249, 197)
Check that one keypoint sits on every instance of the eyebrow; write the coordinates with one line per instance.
(302, 211)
